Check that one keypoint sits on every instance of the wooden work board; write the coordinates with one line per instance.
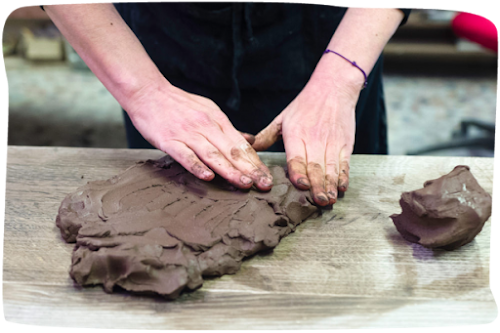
(349, 268)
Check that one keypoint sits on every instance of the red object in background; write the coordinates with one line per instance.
(477, 29)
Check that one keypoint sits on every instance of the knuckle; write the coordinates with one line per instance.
(202, 119)
(297, 165)
(332, 167)
(212, 154)
(344, 168)
(314, 167)
(297, 160)
(236, 153)
(197, 121)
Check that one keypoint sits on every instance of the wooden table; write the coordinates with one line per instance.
(348, 269)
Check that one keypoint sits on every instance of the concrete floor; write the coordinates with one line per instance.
(55, 105)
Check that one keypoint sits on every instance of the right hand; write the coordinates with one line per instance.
(195, 132)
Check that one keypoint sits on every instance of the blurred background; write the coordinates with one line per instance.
(440, 87)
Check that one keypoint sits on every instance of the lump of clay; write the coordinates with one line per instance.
(158, 229)
(447, 213)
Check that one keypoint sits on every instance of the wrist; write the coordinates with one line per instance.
(333, 71)
(137, 95)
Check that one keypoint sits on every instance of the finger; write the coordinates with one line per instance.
(212, 157)
(249, 151)
(241, 154)
(316, 173)
(232, 157)
(345, 157)
(252, 156)
(332, 172)
(296, 162)
(249, 137)
(269, 135)
(245, 158)
(188, 159)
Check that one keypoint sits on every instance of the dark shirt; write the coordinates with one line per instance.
(252, 59)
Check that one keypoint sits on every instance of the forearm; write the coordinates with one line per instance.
(361, 37)
(104, 41)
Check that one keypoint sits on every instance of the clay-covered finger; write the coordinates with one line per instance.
(297, 172)
(269, 135)
(241, 154)
(249, 153)
(344, 176)
(252, 156)
(234, 151)
(212, 157)
(344, 168)
(187, 158)
(225, 169)
(316, 174)
(296, 162)
(332, 173)
(316, 171)
(244, 157)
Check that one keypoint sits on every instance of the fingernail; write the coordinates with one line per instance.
(322, 197)
(303, 181)
(266, 181)
(245, 180)
(342, 188)
(206, 174)
(331, 196)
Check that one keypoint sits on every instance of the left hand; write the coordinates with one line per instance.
(318, 129)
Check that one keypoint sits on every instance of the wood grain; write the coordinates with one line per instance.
(347, 269)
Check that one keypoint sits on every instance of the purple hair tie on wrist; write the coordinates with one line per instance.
(352, 63)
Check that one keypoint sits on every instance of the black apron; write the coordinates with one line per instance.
(251, 59)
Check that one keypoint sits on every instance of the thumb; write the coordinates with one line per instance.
(269, 135)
